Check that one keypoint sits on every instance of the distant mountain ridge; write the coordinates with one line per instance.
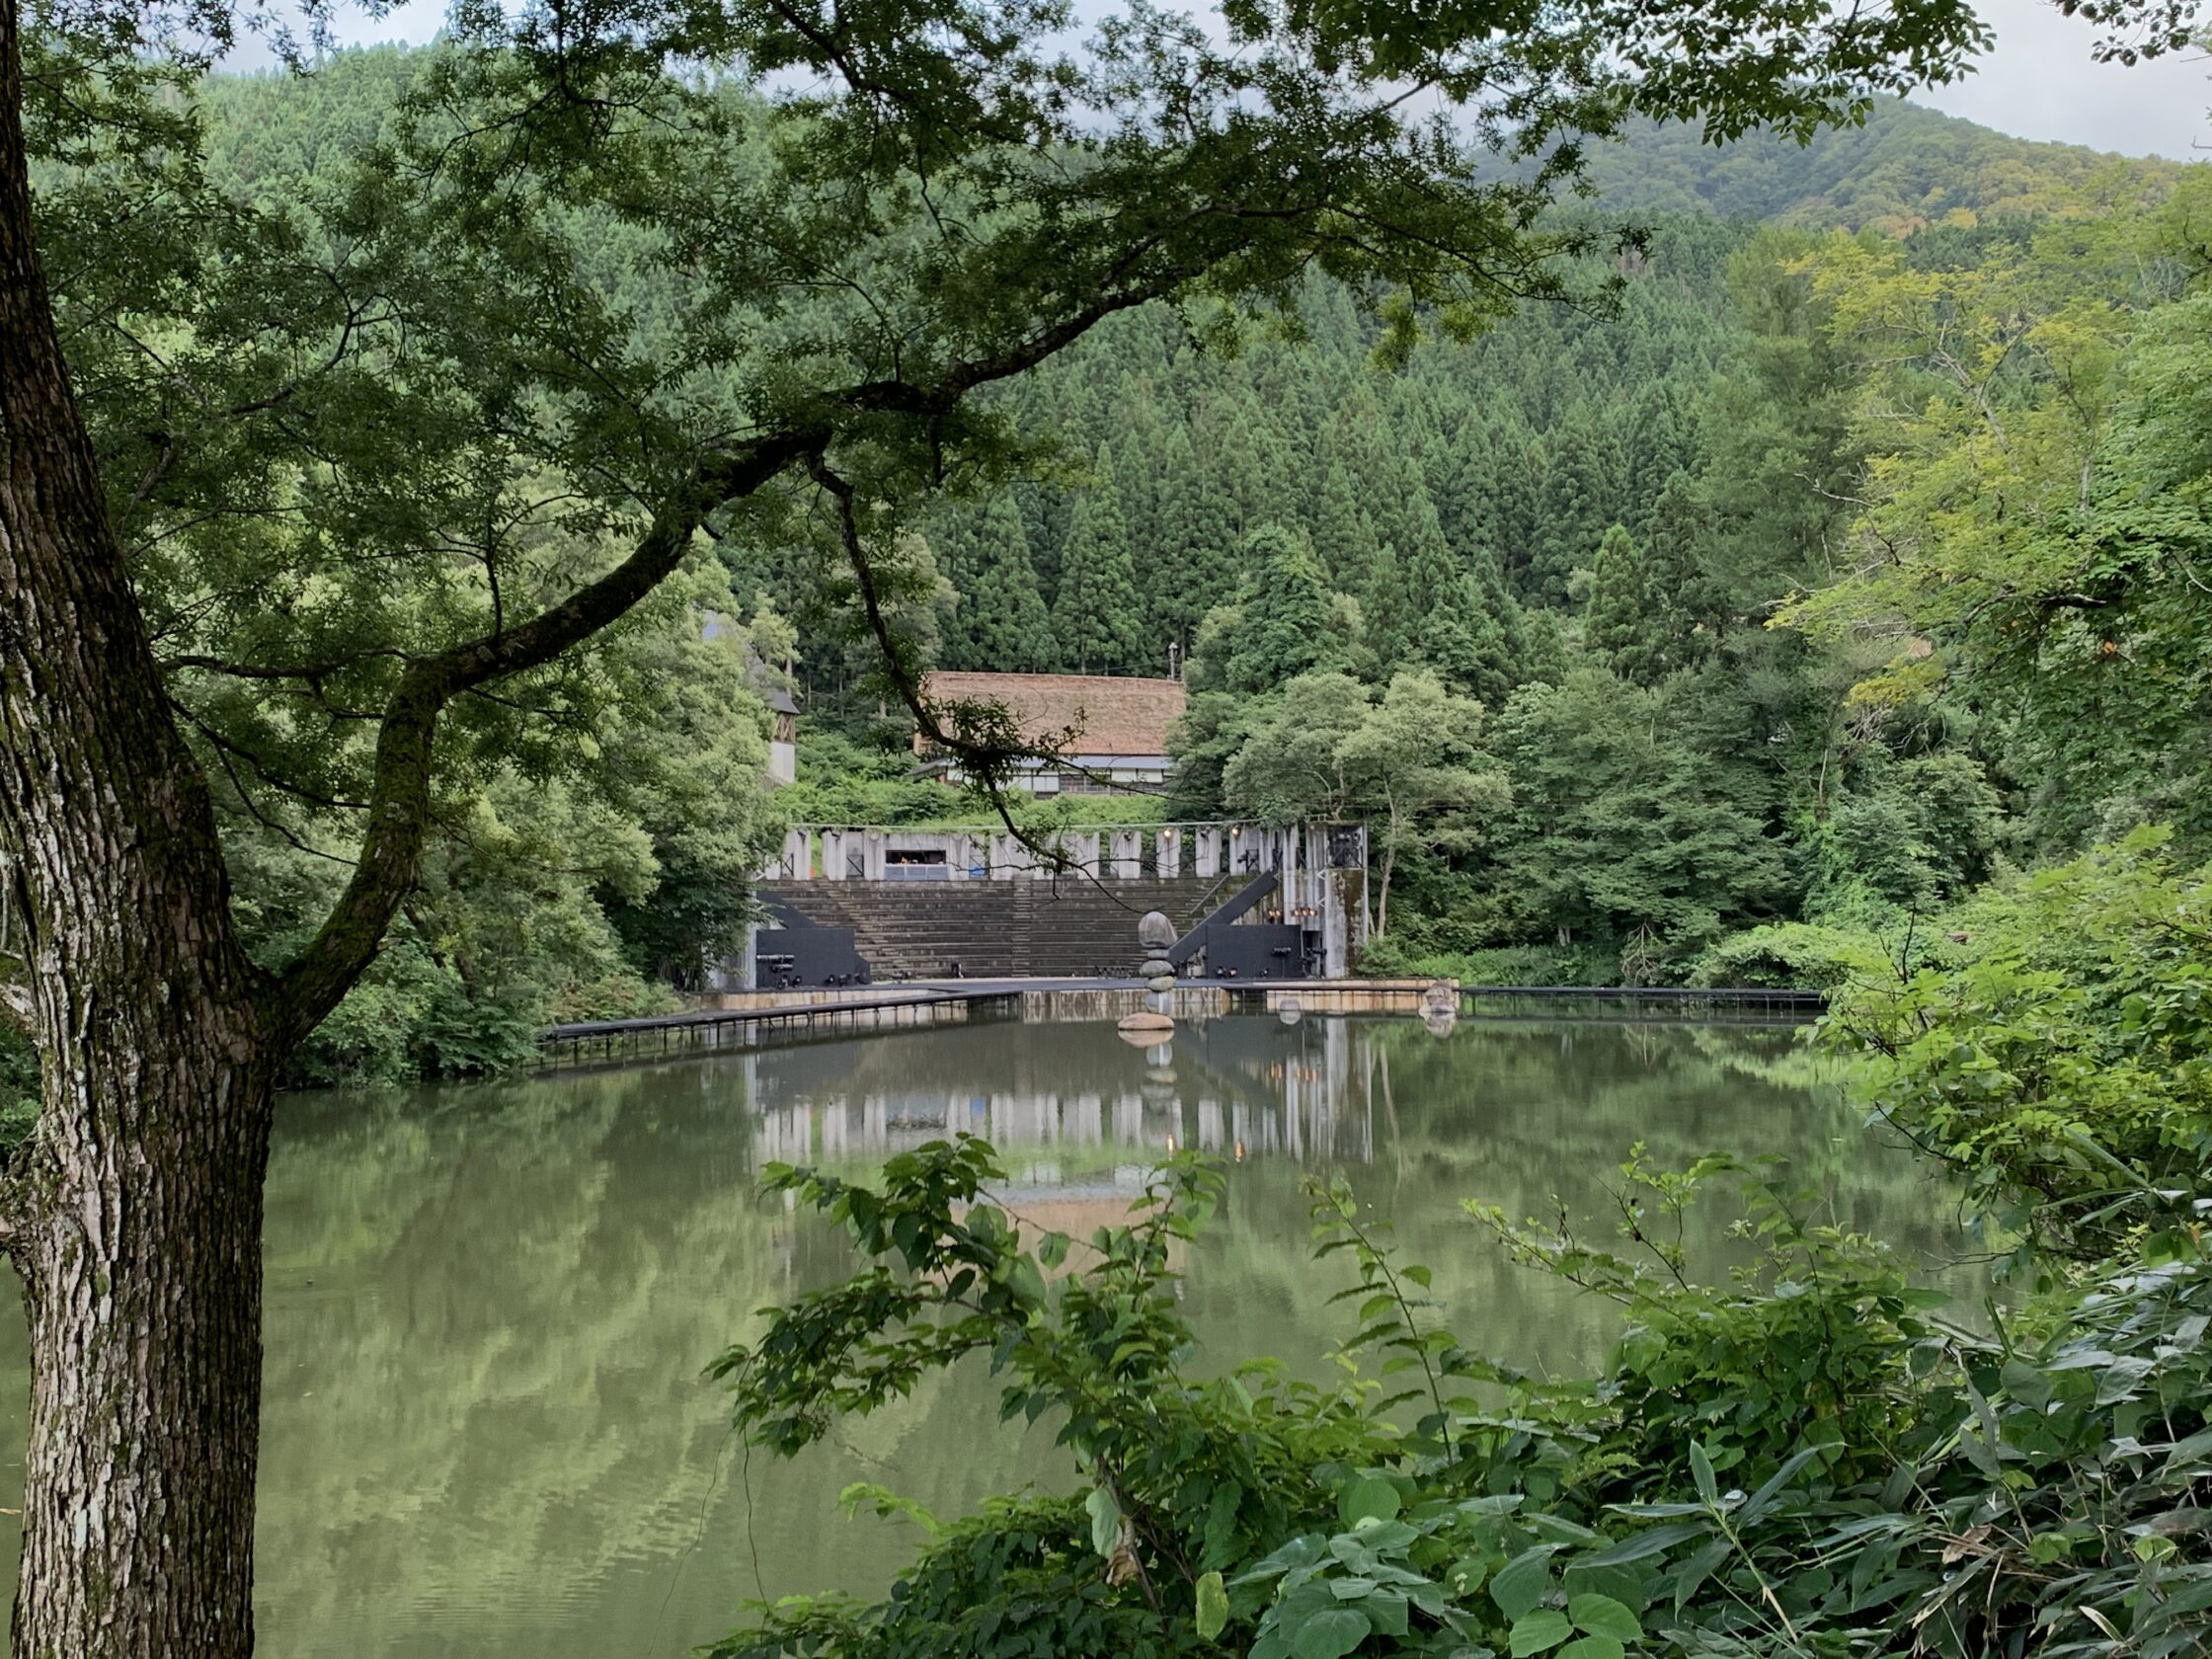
(1905, 168)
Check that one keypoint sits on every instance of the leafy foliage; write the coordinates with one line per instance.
(2058, 1054)
(1803, 1461)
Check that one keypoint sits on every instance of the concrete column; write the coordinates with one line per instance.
(871, 843)
(1127, 860)
(832, 855)
(1209, 852)
(1168, 852)
(1081, 850)
(798, 857)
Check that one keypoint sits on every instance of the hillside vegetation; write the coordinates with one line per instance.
(1904, 168)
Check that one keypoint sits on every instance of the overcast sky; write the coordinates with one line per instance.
(2039, 83)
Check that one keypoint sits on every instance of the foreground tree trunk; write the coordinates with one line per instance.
(141, 1267)
(134, 1210)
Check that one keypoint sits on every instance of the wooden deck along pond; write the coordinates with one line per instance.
(489, 1307)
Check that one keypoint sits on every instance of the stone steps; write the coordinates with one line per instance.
(1023, 928)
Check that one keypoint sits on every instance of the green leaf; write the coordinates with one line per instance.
(1367, 1499)
(1535, 1631)
(1466, 1575)
(1520, 1584)
(1213, 1607)
(1601, 1616)
(1026, 1282)
(1656, 1541)
(1329, 1635)
(1700, 1467)
(1592, 1647)
(1386, 1610)
(1693, 1571)
(1052, 1249)
(1105, 1520)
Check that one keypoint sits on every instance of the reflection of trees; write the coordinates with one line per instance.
(487, 1432)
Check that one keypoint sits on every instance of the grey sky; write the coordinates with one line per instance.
(2039, 83)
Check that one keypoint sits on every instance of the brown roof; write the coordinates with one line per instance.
(1112, 714)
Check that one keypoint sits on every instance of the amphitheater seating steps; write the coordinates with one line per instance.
(1026, 928)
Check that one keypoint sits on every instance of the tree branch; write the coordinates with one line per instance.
(399, 803)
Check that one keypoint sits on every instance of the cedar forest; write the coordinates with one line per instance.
(1785, 562)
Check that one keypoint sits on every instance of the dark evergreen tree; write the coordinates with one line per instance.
(1620, 603)
(1458, 621)
(1003, 626)
(1284, 613)
(1097, 616)
(1579, 497)
(1342, 535)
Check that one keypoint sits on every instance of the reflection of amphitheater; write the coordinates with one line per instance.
(1314, 1106)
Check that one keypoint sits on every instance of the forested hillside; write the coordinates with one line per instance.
(1906, 167)
(1587, 522)
(1528, 584)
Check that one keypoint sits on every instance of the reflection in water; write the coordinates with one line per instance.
(1250, 1088)
(489, 1308)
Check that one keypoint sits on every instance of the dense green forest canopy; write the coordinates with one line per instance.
(1704, 549)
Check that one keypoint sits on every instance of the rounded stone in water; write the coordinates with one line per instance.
(1156, 932)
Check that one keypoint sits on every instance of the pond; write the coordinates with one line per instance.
(487, 1432)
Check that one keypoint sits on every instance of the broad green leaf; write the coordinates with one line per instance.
(1601, 1615)
(1367, 1499)
(1213, 1607)
(1532, 1633)
(1329, 1635)
(1466, 1575)
(1386, 1612)
(1592, 1647)
(1520, 1584)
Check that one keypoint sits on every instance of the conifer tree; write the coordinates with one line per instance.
(1006, 627)
(1097, 616)
(1284, 610)
(1460, 618)
(1618, 611)
(1509, 489)
(1387, 606)
(1244, 462)
(1342, 534)
(953, 544)
(1192, 567)
(1579, 498)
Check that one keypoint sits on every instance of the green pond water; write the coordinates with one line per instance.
(486, 1428)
